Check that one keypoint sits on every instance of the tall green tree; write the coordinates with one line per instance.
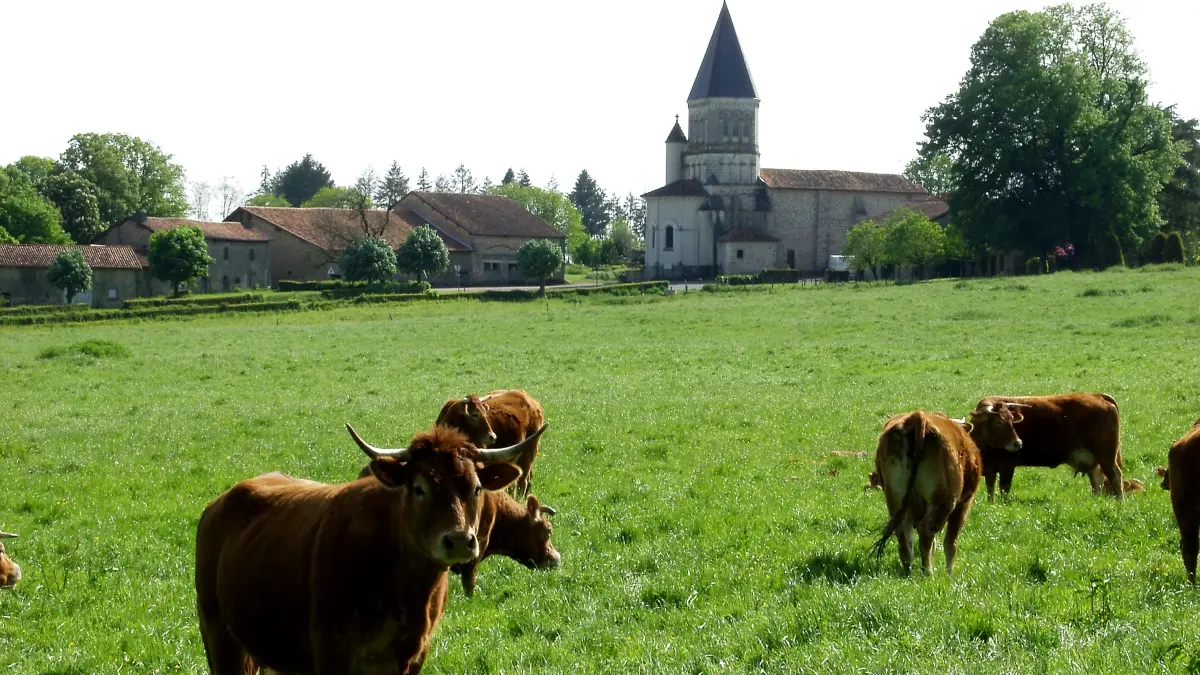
(423, 254)
(509, 177)
(1051, 135)
(443, 184)
(129, 175)
(301, 180)
(1179, 201)
(77, 203)
(267, 200)
(635, 213)
(338, 198)
(551, 207)
(25, 214)
(933, 171)
(36, 169)
(523, 179)
(368, 259)
(912, 239)
(392, 187)
(539, 259)
(867, 242)
(70, 273)
(179, 256)
(462, 181)
(423, 182)
(590, 200)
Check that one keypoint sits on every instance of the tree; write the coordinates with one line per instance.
(201, 198)
(1158, 245)
(1110, 253)
(301, 180)
(129, 175)
(423, 254)
(1179, 201)
(509, 177)
(36, 169)
(368, 259)
(77, 204)
(25, 215)
(551, 208)
(70, 273)
(6, 238)
(523, 179)
(932, 172)
(392, 188)
(267, 200)
(912, 239)
(1051, 136)
(486, 186)
(635, 213)
(179, 256)
(867, 242)
(423, 184)
(367, 185)
(1173, 251)
(338, 198)
(539, 259)
(622, 238)
(230, 195)
(442, 184)
(589, 199)
(463, 182)
(267, 182)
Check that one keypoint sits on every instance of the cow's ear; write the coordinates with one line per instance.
(498, 476)
(390, 472)
(533, 508)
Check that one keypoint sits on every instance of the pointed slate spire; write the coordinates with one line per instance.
(723, 72)
(677, 135)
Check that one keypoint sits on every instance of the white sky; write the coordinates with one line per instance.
(552, 85)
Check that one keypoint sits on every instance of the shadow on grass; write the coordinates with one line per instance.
(836, 568)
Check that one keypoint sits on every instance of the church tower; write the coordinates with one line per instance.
(722, 138)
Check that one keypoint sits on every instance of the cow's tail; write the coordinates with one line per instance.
(1113, 401)
(914, 452)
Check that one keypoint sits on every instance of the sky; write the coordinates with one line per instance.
(553, 86)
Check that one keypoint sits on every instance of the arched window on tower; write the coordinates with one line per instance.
(669, 238)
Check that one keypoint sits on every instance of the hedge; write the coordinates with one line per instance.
(781, 276)
(145, 303)
(519, 294)
(20, 310)
(150, 312)
(395, 297)
(396, 288)
(354, 288)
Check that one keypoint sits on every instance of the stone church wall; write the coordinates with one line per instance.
(814, 223)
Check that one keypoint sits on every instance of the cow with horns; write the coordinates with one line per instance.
(1082, 430)
(10, 571)
(296, 576)
(503, 417)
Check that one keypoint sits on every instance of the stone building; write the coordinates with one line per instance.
(241, 258)
(721, 213)
(117, 275)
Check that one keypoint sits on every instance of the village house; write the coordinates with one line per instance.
(482, 234)
(117, 275)
(241, 257)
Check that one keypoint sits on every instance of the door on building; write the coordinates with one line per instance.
(791, 258)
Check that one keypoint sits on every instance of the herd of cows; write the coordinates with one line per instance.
(295, 576)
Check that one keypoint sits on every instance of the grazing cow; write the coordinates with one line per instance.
(1182, 478)
(511, 529)
(297, 576)
(930, 468)
(1082, 430)
(504, 417)
(10, 571)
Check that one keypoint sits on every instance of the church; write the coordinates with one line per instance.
(721, 213)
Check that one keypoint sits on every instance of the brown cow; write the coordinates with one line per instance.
(10, 571)
(303, 577)
(1182, 478)
(1082, 430)
(508, 416)
(510, 529)
(930, 471)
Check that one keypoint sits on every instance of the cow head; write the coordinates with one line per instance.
(1165, 475)
(532, 547)
(440, 478)
(992, 425)
(470, 416)
(10, 571)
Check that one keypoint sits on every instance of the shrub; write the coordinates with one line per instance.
(423, 253)
(394, 287)
(1034, 266)
(1173, 249)
(70, 273)
(179, 255)
(144, 303)
(738, 279)
(368, 259)
(1157, 250)
(376, 298)
(96, 349)
(1110, 253)
(539, 259)
(782, 276)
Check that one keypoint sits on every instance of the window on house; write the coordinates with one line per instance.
(669, 239)
(741, 254)
(226, 253)
(112, 294)
(251, 254)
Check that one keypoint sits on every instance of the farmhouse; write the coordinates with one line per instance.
(241, 257)
(482, 234)
(721, 213)
(117, 274)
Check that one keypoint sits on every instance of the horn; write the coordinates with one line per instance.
(1017, 405)
(989, 409)
(373, 452)
(510, 453)
(548, 510)
(5, 535)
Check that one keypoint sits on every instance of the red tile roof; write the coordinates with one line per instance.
(414, 220)
(680, 188)
(41, 255)
(931, 208)
(488, 215)
(791, 179)
(746, 235)
(224, 231)
(332, 229)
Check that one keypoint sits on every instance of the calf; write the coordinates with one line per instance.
(1182, 478)
(10, 571)
(1082, 430)
(504, 417)
(929, 468)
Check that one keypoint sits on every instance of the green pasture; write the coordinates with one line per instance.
(703, 523)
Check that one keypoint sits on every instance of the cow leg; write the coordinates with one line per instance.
(904, 541)
(1096, 476)
(1006, 476)
(1116, 479)
(933, 522)
(953, 526)
(1189, 530)
(224, 652)
(468, 577)
(991, 486)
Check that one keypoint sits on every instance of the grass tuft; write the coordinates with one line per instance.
(93, 349)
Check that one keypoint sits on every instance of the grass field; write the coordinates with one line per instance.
(703, 524)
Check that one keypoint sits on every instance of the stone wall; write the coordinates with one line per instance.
(755, 256)
(29, 286)
(236, 264)
(691, 233)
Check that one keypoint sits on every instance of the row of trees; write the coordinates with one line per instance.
(906, 237)
(1052, 139)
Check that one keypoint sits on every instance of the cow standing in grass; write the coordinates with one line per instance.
(503, 417)
(930, 469)
(1182, 478)
(10, 571)
(296, 576)
(1082, 430)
